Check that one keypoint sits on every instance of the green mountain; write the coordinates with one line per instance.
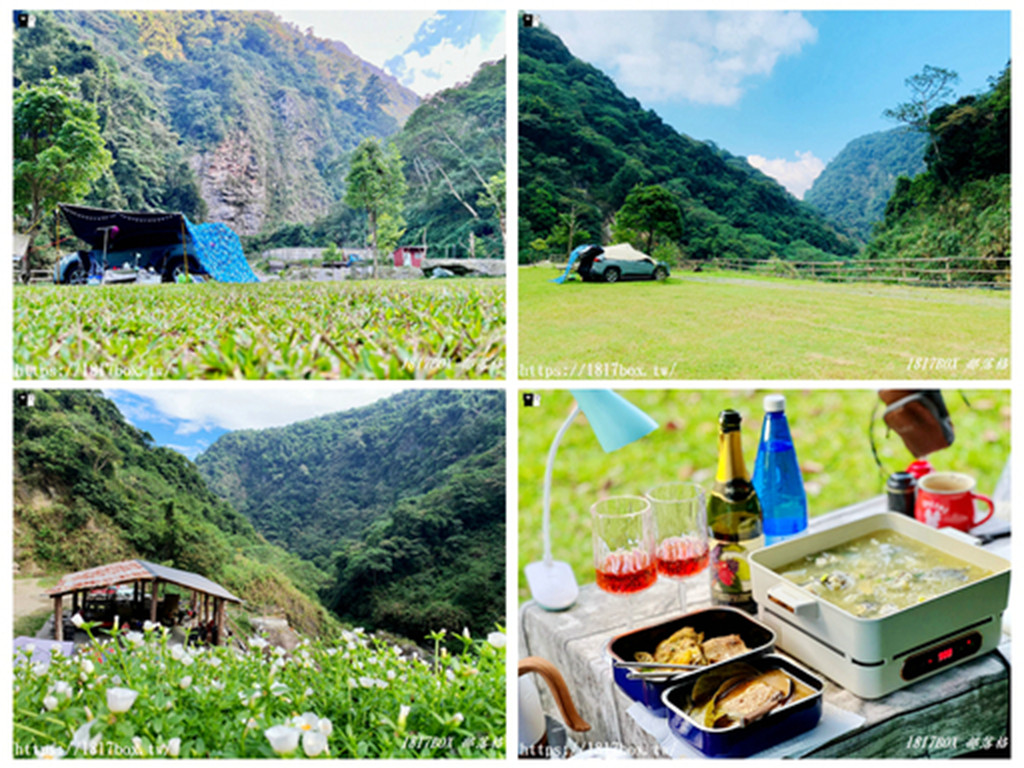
(855, 186)
(453, 147)
(89, 489)
(403, 501)
(954, 219)
(584, 146)
(454, 151)
(234, 115)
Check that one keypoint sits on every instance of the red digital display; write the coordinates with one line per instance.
(941, 656)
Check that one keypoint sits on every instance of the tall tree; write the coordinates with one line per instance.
(929, 88)
(375, 184)
(58, 149)
(649, 213)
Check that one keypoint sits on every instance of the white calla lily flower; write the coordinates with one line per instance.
(120, 700)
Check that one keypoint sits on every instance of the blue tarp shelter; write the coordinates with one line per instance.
(215, 246)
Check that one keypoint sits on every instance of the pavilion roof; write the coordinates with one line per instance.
(128, 571)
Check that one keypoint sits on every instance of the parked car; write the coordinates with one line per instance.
(612, 263)
(168, 261)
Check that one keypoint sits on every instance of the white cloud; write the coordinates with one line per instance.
(136, 410)
(244, 407)
(384, 38)
(447, 64)
(703, 57)
(374, 36)
(795, 175)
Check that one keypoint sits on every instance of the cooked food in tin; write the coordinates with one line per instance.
(688, 646)
(721, 648)
(880, 573)
(682, 647)
(738, 694)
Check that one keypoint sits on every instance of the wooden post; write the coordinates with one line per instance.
(152, 602)
(58, 618)
(219, 611)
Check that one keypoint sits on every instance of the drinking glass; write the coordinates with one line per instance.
(624, 541)
(680, 518)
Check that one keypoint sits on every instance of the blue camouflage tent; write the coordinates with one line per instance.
(219, 250)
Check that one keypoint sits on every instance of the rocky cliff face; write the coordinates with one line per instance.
(265, 173)
(234, 184)
(266, 113)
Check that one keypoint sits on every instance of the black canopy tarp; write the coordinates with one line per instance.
(134, 229)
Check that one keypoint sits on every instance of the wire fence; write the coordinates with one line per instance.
(941, 272)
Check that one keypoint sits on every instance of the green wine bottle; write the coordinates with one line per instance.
(734, 520)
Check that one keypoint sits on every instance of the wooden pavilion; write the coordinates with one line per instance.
(149, 599)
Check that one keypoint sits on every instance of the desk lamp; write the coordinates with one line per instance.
(616, 422)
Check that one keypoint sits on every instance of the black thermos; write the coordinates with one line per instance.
(901, 488)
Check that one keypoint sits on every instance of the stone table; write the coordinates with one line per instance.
(968, 703)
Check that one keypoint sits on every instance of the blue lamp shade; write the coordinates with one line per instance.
(615, 421)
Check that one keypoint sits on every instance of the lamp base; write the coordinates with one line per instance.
(553, 586)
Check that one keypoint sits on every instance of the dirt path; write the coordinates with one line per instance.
(29, 598)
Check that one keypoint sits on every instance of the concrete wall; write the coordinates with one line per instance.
(302, 254)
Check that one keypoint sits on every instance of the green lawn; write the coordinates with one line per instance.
(731, 326)
(830, 431)
(365, 329)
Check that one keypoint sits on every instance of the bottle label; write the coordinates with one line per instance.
(730, 570)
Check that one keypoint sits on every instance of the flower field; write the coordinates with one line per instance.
(367, 330)
(360, 697)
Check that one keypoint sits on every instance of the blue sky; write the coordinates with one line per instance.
(788, 90)
(190, 419)
(425, 50)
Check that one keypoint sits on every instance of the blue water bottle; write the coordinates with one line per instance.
(777, 478)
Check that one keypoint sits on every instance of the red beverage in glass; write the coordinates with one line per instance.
(680, 556)
(627, 572)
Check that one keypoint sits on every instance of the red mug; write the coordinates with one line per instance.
(947, 499)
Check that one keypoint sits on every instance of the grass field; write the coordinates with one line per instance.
(364, 330)
(830, 432)
(731, 326)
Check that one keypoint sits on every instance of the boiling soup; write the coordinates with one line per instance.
(880, 573)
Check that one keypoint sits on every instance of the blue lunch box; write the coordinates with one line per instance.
(780, 725)
(713, 622)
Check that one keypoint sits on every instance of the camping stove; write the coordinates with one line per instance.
(874, 657)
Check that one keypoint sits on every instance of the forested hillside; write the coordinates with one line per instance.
(403, 501)
(89, 489)
(954, 219)
(855, 186)
(454, 151)
(231, 115)
(584, 146)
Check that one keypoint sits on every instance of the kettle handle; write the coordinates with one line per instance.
(559, 689)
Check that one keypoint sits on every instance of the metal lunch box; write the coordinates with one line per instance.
(713, 622)
(777, 726)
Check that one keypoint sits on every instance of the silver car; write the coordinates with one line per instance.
(612, 263)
